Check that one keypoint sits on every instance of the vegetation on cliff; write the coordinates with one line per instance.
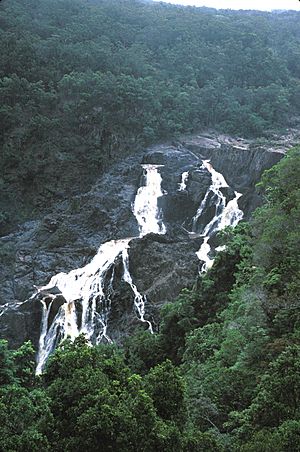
(222, 373)
(86, 82)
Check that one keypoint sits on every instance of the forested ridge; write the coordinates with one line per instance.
(86, 82)
(222, 374)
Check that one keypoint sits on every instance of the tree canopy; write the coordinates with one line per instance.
(222, 374)
(83, 83)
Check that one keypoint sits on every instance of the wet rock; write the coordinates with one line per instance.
(57, 302)
(69, 236)
(50, 224)
(161, 268)
(21, 322)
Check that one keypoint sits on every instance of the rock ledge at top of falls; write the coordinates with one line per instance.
(70, 234)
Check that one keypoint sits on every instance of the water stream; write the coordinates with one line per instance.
(88, 285)
(85, 293)
(226, 214)
(145, 208)
(184, 179)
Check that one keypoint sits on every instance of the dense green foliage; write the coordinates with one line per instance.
(85, 82)
(223, 373)
(89, 399)
(238, 332)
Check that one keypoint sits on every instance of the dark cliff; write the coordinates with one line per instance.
(160, 266)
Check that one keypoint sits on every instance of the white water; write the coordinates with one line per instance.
(225, 214)
(86, 285)
(145, 206)
(184, 179)
(203, 255)
(139, 299)
(4, 308)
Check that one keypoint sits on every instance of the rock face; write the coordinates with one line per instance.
(160, 265)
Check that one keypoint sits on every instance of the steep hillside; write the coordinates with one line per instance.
(86, 83)
(183, 217)
(134, 218)
(221, 375)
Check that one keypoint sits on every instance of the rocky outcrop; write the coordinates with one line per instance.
(68, 237)
(241, 161)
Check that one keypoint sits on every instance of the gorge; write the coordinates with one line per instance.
(132, 319)
(104, 262)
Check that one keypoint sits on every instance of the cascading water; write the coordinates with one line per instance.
(84, 294)
(139, 299)
(225, 214)
(184, 179)
(145, 206)
(89, 285)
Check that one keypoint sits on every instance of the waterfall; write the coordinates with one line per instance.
(49, 337)
(89, 285)
(87, 292)
(3, 308)
(139, 300)
(184, 179)
(226, 214)
(203, 255)
(145, 208)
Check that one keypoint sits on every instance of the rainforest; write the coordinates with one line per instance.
(149, 221)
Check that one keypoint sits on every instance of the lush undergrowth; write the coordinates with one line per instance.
(83, 83)
(223, 373)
